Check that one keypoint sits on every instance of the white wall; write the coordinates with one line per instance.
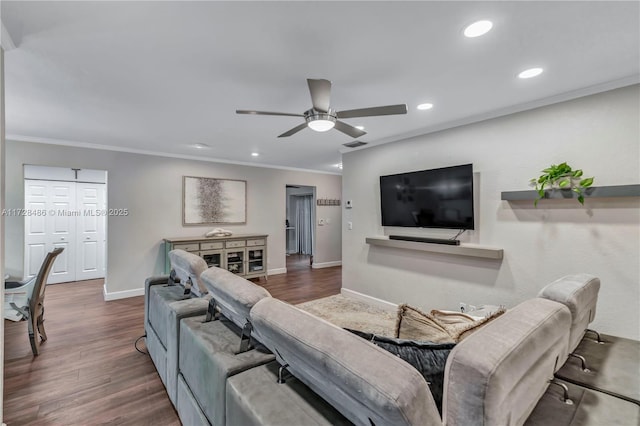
(151, 188)
(599, 134)
(2, 246)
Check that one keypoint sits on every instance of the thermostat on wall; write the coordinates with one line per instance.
(348, 204)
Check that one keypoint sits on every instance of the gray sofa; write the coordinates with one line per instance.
(261, 361)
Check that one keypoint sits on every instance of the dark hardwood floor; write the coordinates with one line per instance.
(88, 371)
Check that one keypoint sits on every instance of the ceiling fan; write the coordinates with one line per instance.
(322, 118)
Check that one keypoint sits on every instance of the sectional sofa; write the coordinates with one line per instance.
(237, 356)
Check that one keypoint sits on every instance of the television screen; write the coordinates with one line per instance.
(437, 198)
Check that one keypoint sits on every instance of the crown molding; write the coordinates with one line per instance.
(562, 97)
(76, 144)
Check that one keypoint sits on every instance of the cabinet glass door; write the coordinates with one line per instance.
(212, 257)
(235, 261)
(256, 260)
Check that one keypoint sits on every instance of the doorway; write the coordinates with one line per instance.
(68, 209)
(300, 224)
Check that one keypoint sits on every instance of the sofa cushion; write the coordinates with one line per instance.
(254, 397)
(160, 297)
(426, 357)
(234, 295)
(364, 382)
(579, 292)
(189, 266)
(208, 357)
(497, 375)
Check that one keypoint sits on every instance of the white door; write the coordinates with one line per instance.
(91, 231)
(50, 223)
(68, 215)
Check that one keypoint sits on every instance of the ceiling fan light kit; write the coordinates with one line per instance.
(321, 118)
(320, 121)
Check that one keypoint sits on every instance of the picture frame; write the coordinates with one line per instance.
(207, 201)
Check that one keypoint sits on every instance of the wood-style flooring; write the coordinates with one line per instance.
(88, 371)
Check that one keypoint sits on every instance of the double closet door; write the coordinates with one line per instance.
(68, 215)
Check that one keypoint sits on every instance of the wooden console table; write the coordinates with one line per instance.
(244, 255)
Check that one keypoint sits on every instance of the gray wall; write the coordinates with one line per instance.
(599, 134)
(151, 188)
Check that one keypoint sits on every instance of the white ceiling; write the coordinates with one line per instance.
(158, 76)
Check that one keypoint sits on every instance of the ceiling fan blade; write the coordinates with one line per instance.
(348, 129)
(320, 94)
(293, 131)
(373, 111)
(251, 112)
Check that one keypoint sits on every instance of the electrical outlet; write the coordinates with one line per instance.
(349, 226)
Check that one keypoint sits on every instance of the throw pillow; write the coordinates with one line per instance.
(462, 332)
(428, 358)
(436, 326)
(414, 324)
(452, 317)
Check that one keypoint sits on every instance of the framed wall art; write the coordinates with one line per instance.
(208, 201)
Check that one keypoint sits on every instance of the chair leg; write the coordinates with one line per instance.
(43, 334)
(34, 344)
(33, 339)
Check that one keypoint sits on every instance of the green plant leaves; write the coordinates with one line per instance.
(561, 176)
(586, 182)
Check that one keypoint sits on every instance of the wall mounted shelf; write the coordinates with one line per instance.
(463, 249)
(593, 192)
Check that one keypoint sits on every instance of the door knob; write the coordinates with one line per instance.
(62, 238)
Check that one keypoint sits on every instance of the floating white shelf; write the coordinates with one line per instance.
(464, 249)
(593, 192)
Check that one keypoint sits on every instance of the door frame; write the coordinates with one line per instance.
(73, 175)
(314, 230)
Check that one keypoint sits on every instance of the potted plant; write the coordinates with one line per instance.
(561, 176)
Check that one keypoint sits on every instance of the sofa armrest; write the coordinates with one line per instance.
(497, 375)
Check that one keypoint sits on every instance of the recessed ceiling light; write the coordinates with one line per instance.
(255, 154)
(360, 127)
(200, 146)
(531, 72)
(478, 28)
(425, 106)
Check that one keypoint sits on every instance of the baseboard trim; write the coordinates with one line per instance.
(383, 304)
(121, 294)
(326, 264)
(277, 271)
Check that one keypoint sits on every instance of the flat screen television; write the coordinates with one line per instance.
(436, 198)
